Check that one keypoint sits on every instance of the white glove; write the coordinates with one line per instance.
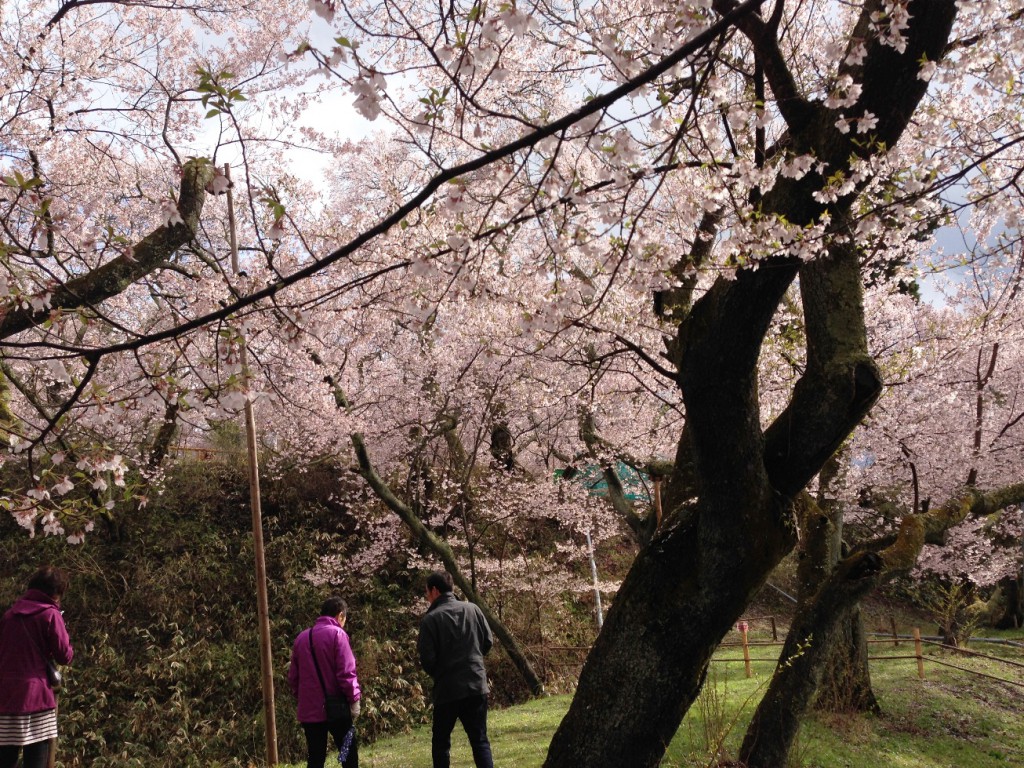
(353, 709)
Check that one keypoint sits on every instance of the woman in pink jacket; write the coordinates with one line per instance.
(32, 633)
(323, 666)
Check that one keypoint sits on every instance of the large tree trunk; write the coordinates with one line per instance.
(845, 684)
(688, 587)
(690, 584)
(812, 636)
(649, 661)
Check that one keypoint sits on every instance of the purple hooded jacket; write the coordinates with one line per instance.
(31, 632)
(337, 665)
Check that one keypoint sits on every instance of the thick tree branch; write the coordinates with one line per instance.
(841, 381)
(592, 107)
(447, 556)
(940, 518)
(891, 86)
(795, 109)
(115, 276)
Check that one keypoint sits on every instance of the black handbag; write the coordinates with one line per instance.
(53, 675)
(336, 707)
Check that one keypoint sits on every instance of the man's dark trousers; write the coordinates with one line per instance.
(472, 711)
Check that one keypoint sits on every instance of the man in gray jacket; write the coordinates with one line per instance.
(454, 638)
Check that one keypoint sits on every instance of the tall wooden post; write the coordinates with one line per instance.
(657, 501)
(51, 755)
(743, 628)
(262, 602)
(597, 587)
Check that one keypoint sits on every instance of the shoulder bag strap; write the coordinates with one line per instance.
(312, 652)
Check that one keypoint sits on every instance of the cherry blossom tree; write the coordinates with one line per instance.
(952, 419)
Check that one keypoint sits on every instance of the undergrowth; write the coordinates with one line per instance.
(162, 615)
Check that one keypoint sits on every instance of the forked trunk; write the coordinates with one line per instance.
(649, 662)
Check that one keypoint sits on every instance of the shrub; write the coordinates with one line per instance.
(162, 615)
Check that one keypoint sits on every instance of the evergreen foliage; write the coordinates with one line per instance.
(162, 615)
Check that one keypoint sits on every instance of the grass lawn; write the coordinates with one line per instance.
(951, 719)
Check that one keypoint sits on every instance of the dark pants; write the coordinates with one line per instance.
(316, 742)
(472, 711)
(33, 756)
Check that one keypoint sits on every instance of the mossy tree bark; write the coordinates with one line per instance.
(730, 500)
(820, 621)
(1005, 609)
(845, 684)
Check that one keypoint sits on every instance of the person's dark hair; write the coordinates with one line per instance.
(440, 581)
(334, 605)
(52, 581)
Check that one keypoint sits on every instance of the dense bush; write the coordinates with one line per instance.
(162, 614)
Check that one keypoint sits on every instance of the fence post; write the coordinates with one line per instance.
(51, 755)
(775, 631)
(917, 652)
(895, 634)
(742, 627)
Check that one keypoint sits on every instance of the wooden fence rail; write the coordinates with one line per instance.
(918, 654)
(577, 653)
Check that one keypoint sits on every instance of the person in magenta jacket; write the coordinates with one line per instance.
(337, 666)
(32, 633)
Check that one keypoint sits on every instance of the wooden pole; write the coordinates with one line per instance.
(262, 601)
(51, 755)
(895, 635)
(742, 626)
(597, 588)
(657, 501)
(918, 654)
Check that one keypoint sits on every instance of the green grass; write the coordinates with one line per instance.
(951, 719)
(519, 736)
